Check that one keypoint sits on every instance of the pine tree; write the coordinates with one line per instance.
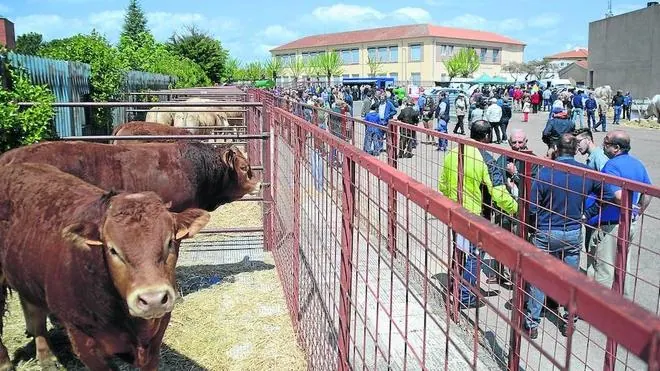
(135, 21)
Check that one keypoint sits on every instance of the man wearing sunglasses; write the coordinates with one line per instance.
(602, 245)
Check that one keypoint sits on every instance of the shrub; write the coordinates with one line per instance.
(22, 126)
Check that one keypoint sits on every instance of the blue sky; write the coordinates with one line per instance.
(250, 28)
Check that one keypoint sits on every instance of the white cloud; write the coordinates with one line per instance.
(277, 34)
(346, 13)
(467, 21)
(417, 15)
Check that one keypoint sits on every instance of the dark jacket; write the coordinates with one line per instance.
(442, 115)
(409, 115)
(555, 128)
(617, 100)
(506, 113)
(558, 197)
(591, 104)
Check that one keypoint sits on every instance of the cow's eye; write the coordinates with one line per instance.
(244, 168)
(113, 251)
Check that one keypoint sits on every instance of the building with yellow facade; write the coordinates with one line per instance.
(412, 53)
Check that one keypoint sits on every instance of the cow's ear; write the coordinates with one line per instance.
(189, 222)
(229, 156)
(168, 205)
(83, 235)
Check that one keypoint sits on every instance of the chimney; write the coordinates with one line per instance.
(7, 36)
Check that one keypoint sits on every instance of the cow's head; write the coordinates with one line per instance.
(242, 178)
(140, 240)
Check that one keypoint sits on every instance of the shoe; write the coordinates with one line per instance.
(471, 305)
(532, 332)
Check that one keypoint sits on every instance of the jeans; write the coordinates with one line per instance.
(578, 113)
(617, 114)
(602, 121)
(499, 132)
(459, 125)
(626, 112)
(373, 141)
(564, 245)
(442, 142)
(591, 119)
(316, 162)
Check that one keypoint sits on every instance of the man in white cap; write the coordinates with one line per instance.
(494, 115)
(461, 105)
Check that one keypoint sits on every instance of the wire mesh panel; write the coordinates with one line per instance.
(382, 272)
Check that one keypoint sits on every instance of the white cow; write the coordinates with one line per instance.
(208, 116)
(653, 108)
(161, 115)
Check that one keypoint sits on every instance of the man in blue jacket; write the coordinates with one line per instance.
(627, 104)
(373, 135)
(557, 200)
(578, 108)
(590, 105)
(442, 110)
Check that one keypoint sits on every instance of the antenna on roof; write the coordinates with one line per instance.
(609, 9)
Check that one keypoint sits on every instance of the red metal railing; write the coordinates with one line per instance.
(368, 260)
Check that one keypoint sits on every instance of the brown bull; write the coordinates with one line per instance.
(146, 128)
(102, 263)
(188, 174)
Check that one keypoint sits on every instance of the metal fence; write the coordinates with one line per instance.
(373, 261)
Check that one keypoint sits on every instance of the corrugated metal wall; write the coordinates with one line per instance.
(69, 82)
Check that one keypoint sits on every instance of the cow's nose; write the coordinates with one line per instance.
(154, 302)
(256, 189)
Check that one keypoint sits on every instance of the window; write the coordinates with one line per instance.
(350, 56)
(496, 55)
(309, 55)
(286, 58)
(415, 53)
(394, 54)
(482, 54)
(416, 78)
(384, 54)
(394, 75)
(371, 52)
(444, 51)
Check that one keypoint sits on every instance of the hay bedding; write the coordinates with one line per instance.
(231, 317)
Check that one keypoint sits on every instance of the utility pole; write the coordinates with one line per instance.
(609, 9)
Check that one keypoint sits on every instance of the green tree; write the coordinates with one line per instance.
(375, 66)
(313, 68)
(29, 43)
(254, 71)
(453, 67)
(146, 54)
(330, 64)
(273, 67)
(135, 22)
(233, 68)
(107, 67)
(203, 49)
(464, 63)
(22, 126)
(297, 66)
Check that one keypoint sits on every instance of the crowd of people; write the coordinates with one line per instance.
(566, 211)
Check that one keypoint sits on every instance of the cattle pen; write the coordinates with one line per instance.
(345, 262)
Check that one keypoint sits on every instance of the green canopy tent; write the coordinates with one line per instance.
(483, 79)
(264, 84)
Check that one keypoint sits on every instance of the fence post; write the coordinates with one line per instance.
(391, 192)
(457, 256)
(518, 298)
(346, 267)
(619, 284)
(298, 144)
(267, 177)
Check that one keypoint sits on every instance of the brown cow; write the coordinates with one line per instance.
(102, 263)
(146, 128)
(188, 174)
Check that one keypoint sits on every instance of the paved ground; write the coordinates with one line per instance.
(587, 345)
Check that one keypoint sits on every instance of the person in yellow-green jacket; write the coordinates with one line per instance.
(479, 169)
